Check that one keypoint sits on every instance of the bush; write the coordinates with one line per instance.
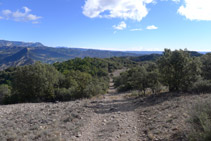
(35, 83)
(73, 79)
(139, 78)
(64, 94)
(200, 121)
(201, 86)
(4, 93)
(206, 66)
(88, 77)
(178, 69)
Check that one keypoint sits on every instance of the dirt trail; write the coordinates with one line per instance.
(113, 118)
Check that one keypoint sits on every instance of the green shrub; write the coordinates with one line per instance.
(5, 92)
(34, 83)
(178, 69)
(64, 94)
(139, 78)
(206, 66)
(88, 77)
(201, 86)
(200, 121)
(135, 93)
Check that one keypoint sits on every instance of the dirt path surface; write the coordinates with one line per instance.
(111, 117)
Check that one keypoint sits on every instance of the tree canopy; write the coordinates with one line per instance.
(178, 69)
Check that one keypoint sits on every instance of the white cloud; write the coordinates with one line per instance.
(136, 29)
(1, 18)
(125, 9)
(177, 1)
(6, 12)
(196, 10)
(20, 15)
(31, 17)
(152, 27)
(35, 22)
(27, 10)
(120, 26)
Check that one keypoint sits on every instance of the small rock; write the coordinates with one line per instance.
(79, 135)
(112, 109)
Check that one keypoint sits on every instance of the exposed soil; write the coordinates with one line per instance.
(112, 117)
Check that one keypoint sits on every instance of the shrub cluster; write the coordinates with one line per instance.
(177, 70)
(83, 78)
(5, 92)
(200, 121)
(73, 79)
(139, 78)
(201, 86)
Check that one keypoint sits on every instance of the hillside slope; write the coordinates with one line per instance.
(39, 52)
(12, 53)
(21, 58)
(114, 116)
(5, 43)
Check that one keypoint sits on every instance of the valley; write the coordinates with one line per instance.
(13, 54)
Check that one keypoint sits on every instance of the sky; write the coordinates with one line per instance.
(126, 25)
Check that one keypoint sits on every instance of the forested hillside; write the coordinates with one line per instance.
(175, 74)
(73, 79)
(83, 78)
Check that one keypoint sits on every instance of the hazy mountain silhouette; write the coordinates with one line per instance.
(14, 53)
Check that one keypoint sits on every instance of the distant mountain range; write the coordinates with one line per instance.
(145, 52)
(15, 53)
(4, 43)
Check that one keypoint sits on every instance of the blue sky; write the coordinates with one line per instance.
(109, 24)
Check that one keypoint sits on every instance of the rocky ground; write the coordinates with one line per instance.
(112, 117)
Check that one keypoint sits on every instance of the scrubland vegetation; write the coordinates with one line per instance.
(200, 120)
(175, 71)
(180, 72)
(73, 79)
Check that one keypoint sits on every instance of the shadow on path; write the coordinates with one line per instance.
(123, 104)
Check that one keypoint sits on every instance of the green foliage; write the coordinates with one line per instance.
(35, 83)
(79, 81)
(6, 76)
(63, 94)
(86, 77)
(73, 79)
(151, 57)
(206, 66)
(200, 121)
(93, 66)
(178, 69)
(139, 78)
(5, 92)
(201, 86)
(115, 63)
